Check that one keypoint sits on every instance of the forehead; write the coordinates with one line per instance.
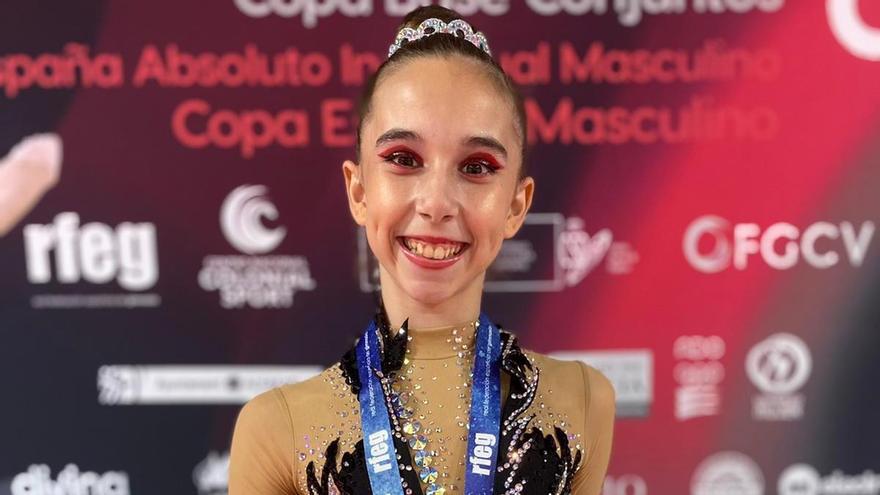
(443, 99)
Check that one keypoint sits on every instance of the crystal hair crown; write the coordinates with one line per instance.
(458, 28)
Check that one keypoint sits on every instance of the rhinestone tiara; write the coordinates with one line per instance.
(458, 28)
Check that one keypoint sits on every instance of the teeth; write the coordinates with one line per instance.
(432, 251)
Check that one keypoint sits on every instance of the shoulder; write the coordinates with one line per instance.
(281, 404)
(584, 385)
(318, 391)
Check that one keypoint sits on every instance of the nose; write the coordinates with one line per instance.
(436, 196)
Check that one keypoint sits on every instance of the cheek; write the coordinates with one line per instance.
(489, 218)
(386, 206)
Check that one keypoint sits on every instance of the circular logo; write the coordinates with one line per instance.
(799, 479)
(851, 30)
(719, 258)
(780, 364)
(241, 220)
(727, 473)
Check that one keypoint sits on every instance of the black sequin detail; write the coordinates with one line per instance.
(352, 476)
(393, 351)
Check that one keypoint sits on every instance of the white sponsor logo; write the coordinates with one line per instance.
(803, 479)
(94, 253)
(70, 481)
(631, 372)
(624, 484)
(312, 10)
(309, 10)
(699, 374)
(193, 384)
(748, 240)
(211, 476)
(380, 458)
(481, 458)
(254, 281)
(519, 267)
(241, 220)
(631, 12)
(851, 30)
(727, 473)
(779, 366)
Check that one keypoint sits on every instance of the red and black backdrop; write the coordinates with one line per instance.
(703, 229)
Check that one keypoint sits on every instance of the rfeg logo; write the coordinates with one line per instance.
(851, 30)
(94, 252)
(781, 245)
(241, 220)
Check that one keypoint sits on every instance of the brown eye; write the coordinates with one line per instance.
(402, 159)
(477, 168)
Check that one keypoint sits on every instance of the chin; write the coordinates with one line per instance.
(428, 293)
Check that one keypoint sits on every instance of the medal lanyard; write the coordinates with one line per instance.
(483, 422)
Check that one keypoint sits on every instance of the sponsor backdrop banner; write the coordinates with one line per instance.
(174, 236)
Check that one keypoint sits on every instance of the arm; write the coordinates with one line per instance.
(262, 454)
(598, 432)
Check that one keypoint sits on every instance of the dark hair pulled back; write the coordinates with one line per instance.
(442, 44)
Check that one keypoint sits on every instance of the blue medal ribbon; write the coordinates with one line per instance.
(485, 415)
(483, 423)
(379, 449)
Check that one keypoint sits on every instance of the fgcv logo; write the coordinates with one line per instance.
(781, 245)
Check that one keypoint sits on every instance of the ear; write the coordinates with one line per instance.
(354, 189)
(519, 207)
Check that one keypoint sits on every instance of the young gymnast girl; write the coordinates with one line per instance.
(433, 398)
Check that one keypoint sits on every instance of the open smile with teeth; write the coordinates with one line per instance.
(433, 251)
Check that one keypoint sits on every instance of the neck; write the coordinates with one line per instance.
(461, 307)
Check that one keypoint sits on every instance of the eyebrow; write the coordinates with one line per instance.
(397, 133)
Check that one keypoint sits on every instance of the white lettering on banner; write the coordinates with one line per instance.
(379, 458)
(851, 30)
(749, 240)
(631, 12)
(123, 384)
(803, 479)
(399, 8)
(310, 10)
(94, 252)
(481, 460)
(38, 481)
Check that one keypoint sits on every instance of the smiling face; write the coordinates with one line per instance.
(438, 186)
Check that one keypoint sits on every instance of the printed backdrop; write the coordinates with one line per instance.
(174, 237)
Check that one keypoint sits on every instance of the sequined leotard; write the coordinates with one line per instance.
(305, 438)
